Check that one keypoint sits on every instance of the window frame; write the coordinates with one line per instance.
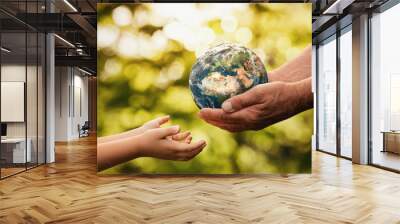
(347, 27)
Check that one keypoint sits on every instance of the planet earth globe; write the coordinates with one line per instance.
(224, 71)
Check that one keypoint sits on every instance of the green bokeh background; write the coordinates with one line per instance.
(140, 82)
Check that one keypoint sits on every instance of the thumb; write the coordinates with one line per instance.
(168, 131)
(160, 121)
(241, 101)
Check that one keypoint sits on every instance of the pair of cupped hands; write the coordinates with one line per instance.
(166, 142)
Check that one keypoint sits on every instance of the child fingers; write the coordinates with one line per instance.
(183, 151)
(196, 151)
(157, 122)
(188, 139)
(162, 120)
(188, 155)
(193, 146)
(165, 132)
(180, 136)
(180, 147)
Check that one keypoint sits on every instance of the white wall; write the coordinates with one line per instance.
(62, 81)
(12, 73)
(80, 110)
(71, 94)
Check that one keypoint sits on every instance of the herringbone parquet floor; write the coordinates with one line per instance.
(69, 191)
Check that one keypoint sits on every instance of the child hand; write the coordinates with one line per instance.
(164, 143)
(157, 122)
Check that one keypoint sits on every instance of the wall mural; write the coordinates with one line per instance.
(204, 88)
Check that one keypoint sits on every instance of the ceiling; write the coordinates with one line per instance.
(74, 22)
(330, 15)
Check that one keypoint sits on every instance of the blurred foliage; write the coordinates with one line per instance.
(145, 54)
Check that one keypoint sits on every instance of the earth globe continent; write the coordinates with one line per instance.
(224, 71)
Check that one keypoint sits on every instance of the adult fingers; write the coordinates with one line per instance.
(241, 101)
(227, 126)
(219, 115)
(215, 114)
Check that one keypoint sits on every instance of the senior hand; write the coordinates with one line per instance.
(261, 106)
